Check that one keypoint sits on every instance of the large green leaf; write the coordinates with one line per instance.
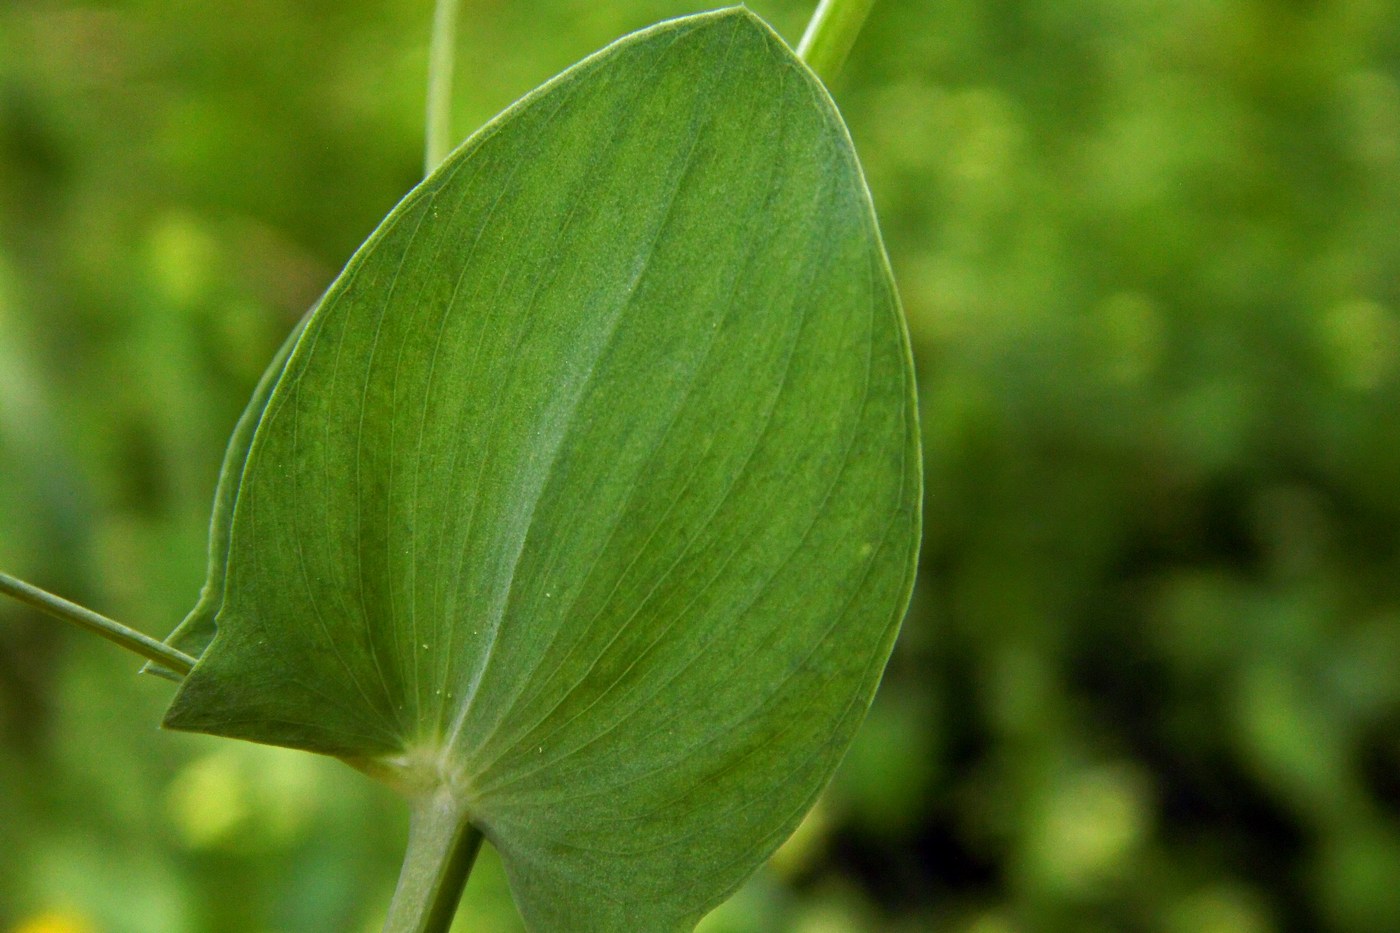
(591, 490)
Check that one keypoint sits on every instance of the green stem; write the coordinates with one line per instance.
(128, 638)
(442, 843)
(441, 55)
(830, 35)
(442, 846)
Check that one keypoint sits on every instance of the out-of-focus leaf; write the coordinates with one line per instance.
(196, 630)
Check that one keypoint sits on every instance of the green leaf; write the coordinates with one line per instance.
(591, 491)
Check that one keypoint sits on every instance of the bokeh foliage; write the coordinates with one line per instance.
(1150, 259)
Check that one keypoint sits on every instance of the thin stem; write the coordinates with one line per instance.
(441, 56)
(128, 638)
(830, 35)
(442, 843)
(442, 846)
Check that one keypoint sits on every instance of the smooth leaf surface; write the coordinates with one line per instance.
(591, 489)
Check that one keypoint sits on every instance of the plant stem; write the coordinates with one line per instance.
(830, 35)
(128, 638)
(441, 55)
(442, 843)
(442, 846)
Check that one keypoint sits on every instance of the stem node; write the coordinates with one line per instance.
(442, 846)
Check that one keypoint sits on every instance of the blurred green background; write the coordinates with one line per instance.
(1150, 256)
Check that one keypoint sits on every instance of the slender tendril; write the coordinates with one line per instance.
(128, 638)
(441, 57)
(830, 35)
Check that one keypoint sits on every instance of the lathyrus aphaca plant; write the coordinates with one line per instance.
(583, 507)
